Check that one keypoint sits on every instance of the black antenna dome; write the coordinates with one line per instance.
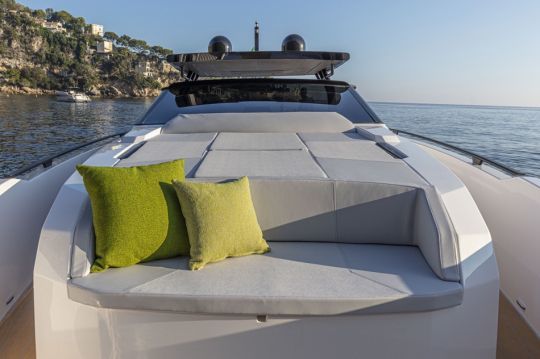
(293, 42)
(219, 44)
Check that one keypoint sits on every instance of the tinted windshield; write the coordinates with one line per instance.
(258, 95)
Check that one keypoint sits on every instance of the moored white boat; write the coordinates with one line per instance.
(72, 96)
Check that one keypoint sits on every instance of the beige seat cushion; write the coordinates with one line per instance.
(294, 279)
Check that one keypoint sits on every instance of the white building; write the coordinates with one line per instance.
(104, 47)
(144, 68)
(96, 29)
(53, 26)
(164, 66)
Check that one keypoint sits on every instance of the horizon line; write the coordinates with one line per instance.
(449, 104)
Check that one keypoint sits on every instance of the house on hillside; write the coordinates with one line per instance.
(165, 67)
(145, 68)
(96, 29)
(104, 47)
(54, 26)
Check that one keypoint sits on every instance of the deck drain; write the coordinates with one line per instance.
(262, 318)
(521, 304)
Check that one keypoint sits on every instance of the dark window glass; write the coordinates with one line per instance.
(258, 95)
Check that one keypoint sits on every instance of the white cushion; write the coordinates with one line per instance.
(166, 151)
(293, 279)
(331, 136)
(370, 171)
(350, 150)
(273, 164)
(257, 141)
(259, 122)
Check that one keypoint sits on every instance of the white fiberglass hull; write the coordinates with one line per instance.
(511, 208)
(24, 205)
(72, 97)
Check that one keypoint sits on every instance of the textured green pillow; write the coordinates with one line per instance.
(221, 221)
(136, 214)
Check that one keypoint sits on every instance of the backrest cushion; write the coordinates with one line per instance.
(334, 211)
(293, 210)
(259, 122)
(355, 212)
(374, 213)
(431, 221)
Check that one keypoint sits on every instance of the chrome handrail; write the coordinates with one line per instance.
(48, 161)
(476, 158)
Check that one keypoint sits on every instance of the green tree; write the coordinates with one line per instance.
(124, 40)
(166, 52)
(111, 36)
(80, 51)
(12, 76)
(137, 45)
(8, 4)
(50, 13)
(40, 14)
(77, 25)
(62, 16)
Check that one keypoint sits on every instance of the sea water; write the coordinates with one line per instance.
(32, 128)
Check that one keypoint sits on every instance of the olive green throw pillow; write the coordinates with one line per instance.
(221, 221)
(136, 214)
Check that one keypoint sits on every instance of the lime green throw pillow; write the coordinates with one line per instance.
(136, 214)
(221, 221)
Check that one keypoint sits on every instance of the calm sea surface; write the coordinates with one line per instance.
(510, 135)
(32, 128)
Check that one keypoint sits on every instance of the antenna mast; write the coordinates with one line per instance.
(256, 36)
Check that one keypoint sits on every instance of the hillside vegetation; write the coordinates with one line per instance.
(37, 59)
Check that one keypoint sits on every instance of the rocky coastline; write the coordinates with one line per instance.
(111, 93)
(45, 51)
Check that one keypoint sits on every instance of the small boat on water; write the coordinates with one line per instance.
(385, 244)
(72, 95)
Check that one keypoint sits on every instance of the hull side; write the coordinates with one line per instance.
(511, 208)
(24, 205)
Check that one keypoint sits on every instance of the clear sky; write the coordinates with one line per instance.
(431, 51)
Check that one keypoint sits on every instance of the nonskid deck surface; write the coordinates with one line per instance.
(17, 340)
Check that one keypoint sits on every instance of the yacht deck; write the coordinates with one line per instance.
(345, 156)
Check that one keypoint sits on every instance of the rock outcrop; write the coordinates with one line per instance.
(36, 60)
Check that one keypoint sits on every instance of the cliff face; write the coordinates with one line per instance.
(41, 53)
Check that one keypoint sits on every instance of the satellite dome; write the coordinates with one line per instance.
(293, 42)
(219, 45)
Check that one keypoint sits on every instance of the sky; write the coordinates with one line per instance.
(422, 51)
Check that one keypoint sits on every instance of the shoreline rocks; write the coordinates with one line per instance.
(110, 92)
(14, 90)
